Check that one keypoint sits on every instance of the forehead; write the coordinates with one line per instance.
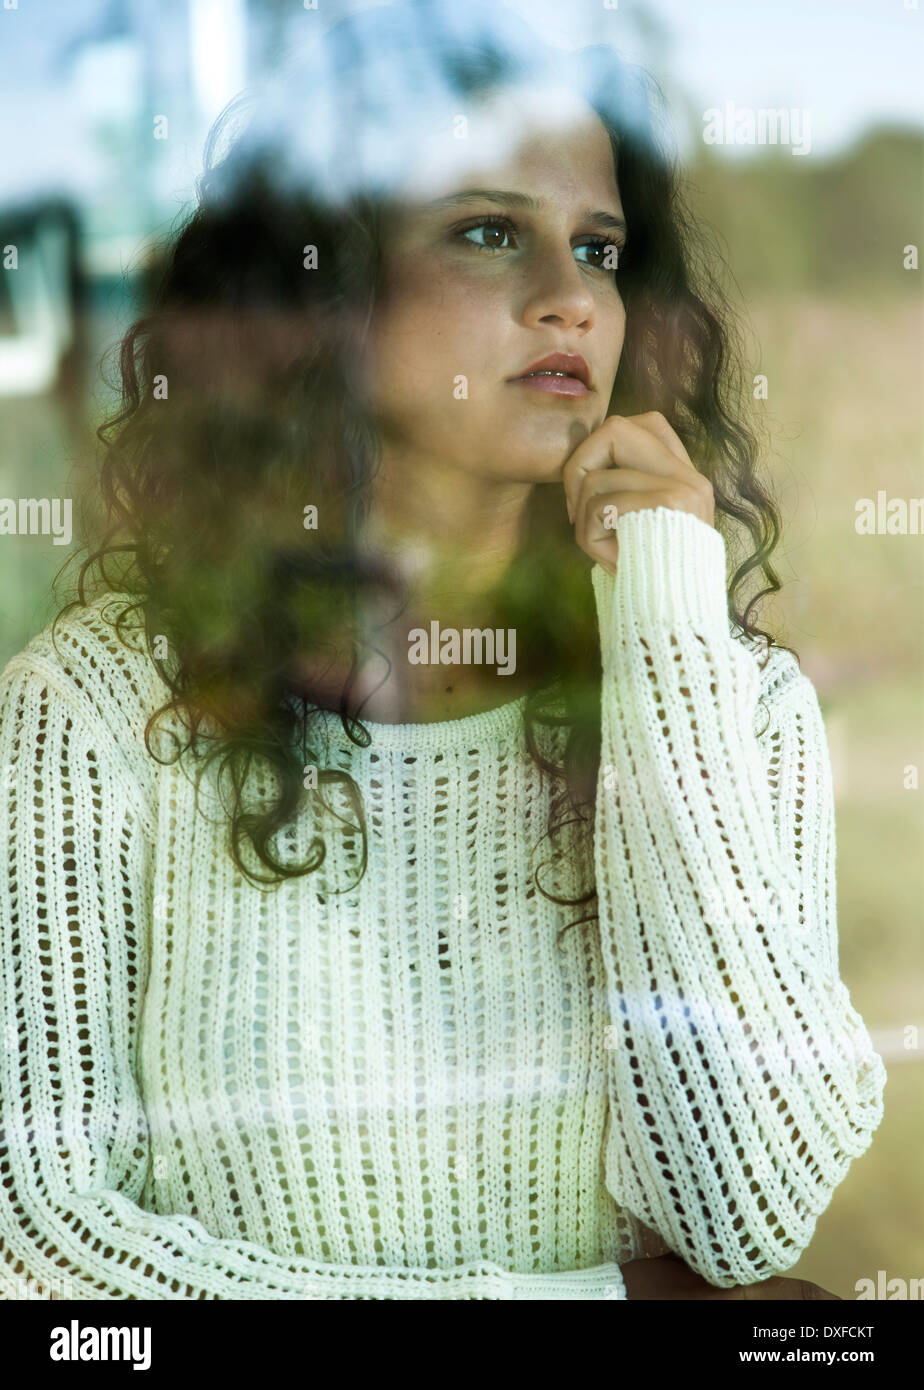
(543, 139)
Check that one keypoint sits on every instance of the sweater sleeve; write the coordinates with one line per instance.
(742, 1082)
(74, 1141)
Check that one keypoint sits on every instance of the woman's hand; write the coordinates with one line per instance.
(668, 1277)
(629, 462)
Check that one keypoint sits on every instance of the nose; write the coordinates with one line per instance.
(556, 292)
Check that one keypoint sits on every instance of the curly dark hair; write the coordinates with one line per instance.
(239, 405)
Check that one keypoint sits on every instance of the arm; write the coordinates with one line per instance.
(742, 1080)
(74, 1143)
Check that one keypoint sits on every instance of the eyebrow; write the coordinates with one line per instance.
(523, 200)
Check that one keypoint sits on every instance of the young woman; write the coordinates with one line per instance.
(421, 874)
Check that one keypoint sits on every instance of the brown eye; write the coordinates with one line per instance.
(491, 226)
(599, 247)
(496, 229)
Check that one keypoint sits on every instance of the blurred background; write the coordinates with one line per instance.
(820, 237)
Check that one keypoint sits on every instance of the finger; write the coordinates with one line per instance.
(600, 515)
(620, 480)
(656, 424)
(617, 443)
(596, 530)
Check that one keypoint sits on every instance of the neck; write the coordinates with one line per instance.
(449, 539)
(450, 536)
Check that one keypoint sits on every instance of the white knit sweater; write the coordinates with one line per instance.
(411, 1089)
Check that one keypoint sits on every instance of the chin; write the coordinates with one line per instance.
(541, 466)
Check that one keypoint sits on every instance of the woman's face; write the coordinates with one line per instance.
(465, 308)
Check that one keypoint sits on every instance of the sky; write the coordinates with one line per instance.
(853, 64)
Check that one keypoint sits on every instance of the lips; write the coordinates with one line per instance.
(570, 364)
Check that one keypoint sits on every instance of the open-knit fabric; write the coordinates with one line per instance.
(415, 1083)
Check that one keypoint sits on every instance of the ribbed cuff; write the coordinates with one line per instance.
(670, 569)
(603, 1281)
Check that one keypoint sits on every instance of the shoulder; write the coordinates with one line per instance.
(102, 677)
(787, 696)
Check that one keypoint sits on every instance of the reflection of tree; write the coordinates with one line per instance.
(113, 21)
(640, 24)
(270, 33)
(113, 140)
(42, 349)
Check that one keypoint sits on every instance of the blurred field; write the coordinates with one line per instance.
(845, 408)
(845, 415)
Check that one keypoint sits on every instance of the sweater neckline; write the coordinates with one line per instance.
(438, 736)
(468, 731)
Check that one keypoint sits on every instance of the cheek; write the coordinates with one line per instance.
(430, 333)
(616, 341)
